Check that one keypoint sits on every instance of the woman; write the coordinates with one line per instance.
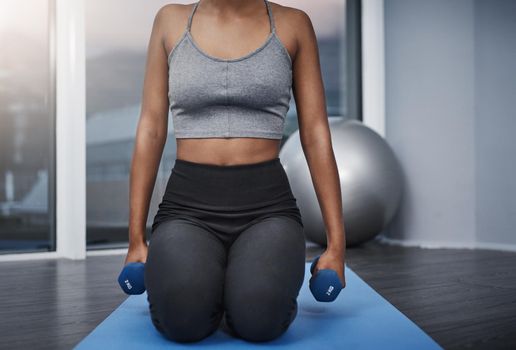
(227, 244)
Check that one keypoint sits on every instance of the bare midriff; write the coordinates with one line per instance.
(227, 151)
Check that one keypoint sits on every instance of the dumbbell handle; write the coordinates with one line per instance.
(131, 278)
(325, 285)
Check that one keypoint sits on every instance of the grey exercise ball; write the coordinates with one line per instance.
(370, 179)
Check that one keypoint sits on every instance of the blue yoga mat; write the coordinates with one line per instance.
(359, 318)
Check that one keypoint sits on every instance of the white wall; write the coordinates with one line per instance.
(450, 101)
(495, 131)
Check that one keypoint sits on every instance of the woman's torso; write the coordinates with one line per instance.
(241, 36)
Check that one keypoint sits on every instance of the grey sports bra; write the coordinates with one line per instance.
(241, 97)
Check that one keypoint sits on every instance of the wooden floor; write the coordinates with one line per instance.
(461, 298)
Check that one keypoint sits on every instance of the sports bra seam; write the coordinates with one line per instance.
(284, 49)
(251, 54)
(246, 133)
(231, 60)
(227, 99)
(173, 50)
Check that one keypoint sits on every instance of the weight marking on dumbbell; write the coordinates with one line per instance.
(128, 284)
(328, 292)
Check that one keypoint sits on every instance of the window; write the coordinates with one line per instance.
(27, 130)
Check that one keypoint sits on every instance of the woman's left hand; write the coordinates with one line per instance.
(334, 261)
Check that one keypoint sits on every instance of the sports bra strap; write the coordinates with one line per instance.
(271, 17)
(191, 15)
(269, 13)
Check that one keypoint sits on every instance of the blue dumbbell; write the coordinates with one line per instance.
(131, 278)
(325, 285)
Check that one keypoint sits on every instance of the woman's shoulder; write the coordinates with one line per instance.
(173, 17)
(288, 15)
(171, 21)
(293, 25)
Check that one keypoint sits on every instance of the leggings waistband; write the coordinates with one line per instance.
(226, 168)
(226, 196)
(228, 187)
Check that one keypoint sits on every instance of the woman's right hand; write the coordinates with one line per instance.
(137, 252)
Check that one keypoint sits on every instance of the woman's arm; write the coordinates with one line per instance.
(150, 140)
(308, 90)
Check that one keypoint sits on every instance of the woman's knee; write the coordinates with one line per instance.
(184, 278)
(265, 272)
(259, 314)
(184, 315)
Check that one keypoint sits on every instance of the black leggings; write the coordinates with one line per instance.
(227, 244)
